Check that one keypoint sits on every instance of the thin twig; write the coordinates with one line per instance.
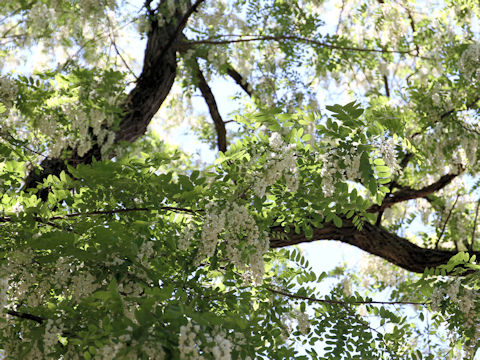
(340, 17)
(474, 225)
(212, 108)
(446, 221)
(113, 42)
(338, 302)
(296, 38)
(4, 219)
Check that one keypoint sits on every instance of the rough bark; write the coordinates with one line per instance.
(374, 240)
(144, 100)
(406, 193)
(212, 108)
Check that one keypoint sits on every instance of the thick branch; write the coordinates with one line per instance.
(26, 316)
(239, 79)
(234, 74)
(143, 102)
(374, 240)
(387, 88)
(406, 193)
(213, 109)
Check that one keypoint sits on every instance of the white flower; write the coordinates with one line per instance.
(389, 154)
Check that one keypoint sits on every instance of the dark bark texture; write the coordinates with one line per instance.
(143, 102)
(374, 240)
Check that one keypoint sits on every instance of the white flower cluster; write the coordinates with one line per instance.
(469, 146)
(245, 245)
(352, 163)
(21, 274)
(370, 265)
(8, 91)
(425, 210)
(303, 322)
(331, 172)
(53, 329)
(213, 225)
(108, 352)
(74, 279)
(464, 302)
(217, 58)
(154, 351)
(289, 320)
(82, 119)
(389, 154)
(83, 284)
(469, 63)
(280, 162)
(146, 252)
(191, 346)
(243, 236)
(130, 288)
(328, 172)
(3, 293)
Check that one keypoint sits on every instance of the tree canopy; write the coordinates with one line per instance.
(354, 121)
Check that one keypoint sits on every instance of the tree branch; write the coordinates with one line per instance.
(4, 219)
(26, 316)
(446, 222)
(407, 193)
(239, 79)
(372, 239)
(470, 246)
(142, 103)
(251, 38)
(212, 108)
(339, 302)
(387, 88)
(234, 74)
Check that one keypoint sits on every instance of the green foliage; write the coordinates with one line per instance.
(119, 250)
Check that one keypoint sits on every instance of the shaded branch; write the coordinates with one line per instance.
(470, 247)
(295, 38)
(387, 88)
(5, 219)
(26, 316)
(448, 113)
(234, 74)
(407, 193)
(239, 79)
(142, 103)
(338, 302)
(372, 239)
(412, 26)
(212, 108)
(446, 222)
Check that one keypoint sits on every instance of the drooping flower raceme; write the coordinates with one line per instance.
(280, 162)
(192, 347)
(389, 154)
(245, 245)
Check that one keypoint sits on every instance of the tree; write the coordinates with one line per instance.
(116, 245)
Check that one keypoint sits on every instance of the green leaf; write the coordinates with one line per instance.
(337, 221)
